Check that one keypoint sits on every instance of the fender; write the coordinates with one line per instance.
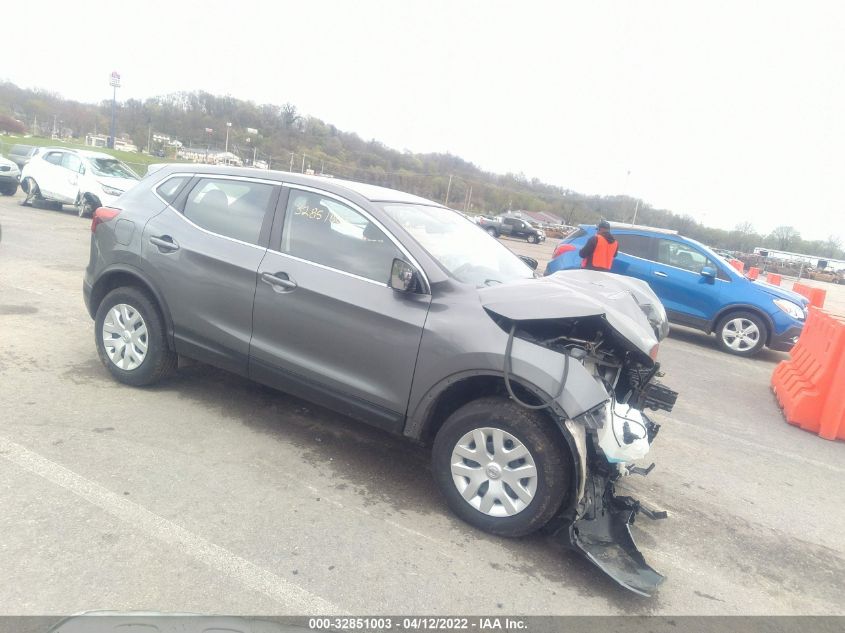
(97, 293)
(574, 433)
(734, 307)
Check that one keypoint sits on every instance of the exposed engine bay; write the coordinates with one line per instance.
(618, 348)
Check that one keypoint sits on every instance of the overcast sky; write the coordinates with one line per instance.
(727, 111)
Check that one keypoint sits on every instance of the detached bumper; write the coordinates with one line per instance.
(8, 179)
(786, 340)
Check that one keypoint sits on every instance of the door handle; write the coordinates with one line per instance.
(660, 274)
(165, 243)
(279, 280)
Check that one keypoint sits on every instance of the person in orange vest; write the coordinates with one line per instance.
(599, 251)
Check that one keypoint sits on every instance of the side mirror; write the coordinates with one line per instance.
(529, 261)
(403, 277)
(708, 272)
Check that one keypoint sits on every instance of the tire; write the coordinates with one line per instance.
(742, 333)
(532, 239)
(157, 361)
(10, 189)
(87, 206)
(32, 191)
(492, 232)
(541, 497)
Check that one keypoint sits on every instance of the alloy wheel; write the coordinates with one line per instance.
(740, 334)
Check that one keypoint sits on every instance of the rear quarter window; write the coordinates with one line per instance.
(574, 236)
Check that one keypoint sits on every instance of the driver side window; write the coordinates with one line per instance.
(322, 230)
(682, 256)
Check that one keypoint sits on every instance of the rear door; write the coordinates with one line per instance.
(48, 174)
(677, 280)
(635, 255)
(327, 326)
(203, 251)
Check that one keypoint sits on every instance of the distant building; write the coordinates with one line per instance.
(121, 143)
(209, 156)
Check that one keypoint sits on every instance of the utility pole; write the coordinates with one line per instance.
(290, 169)
(114, 82)
(448, 189)
(228, 125)
(469, 200)
(149, 136)
(302, 171)
(637, 208)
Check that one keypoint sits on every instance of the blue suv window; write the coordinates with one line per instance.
(636, 245)
(686, 257)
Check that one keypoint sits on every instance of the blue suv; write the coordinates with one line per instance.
(698, 288)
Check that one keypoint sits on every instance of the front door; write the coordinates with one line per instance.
(327, 326)
(203, 252)
(677, 280)
(49, 174)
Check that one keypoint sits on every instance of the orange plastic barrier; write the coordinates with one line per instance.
(809, 386)
(753, 273)
(773, 279)
(815, 295)
(737, 264)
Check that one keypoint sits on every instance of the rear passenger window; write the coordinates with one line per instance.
(324, 231)
(170, 188)
(636, 245)
(233, 208)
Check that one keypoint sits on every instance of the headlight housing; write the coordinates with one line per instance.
(111, 190)
(792, 309)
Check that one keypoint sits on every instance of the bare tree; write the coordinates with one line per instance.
(786, 236)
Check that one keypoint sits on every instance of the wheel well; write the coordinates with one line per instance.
(118, 279)
(767, 322)
(466, 390)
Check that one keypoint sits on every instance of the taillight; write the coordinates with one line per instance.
(563, 248)
(103, 214)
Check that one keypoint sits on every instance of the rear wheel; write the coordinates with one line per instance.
(742, 333)
(31, 190)
(130, 337)
(502, 468)
(9, 189)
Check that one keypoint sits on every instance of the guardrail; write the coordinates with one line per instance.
(810, 385)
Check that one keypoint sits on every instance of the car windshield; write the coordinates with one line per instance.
(111, 167)
(467, 252)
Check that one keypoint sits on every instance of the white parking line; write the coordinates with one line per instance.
(293, 598)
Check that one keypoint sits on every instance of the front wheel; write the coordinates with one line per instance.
(130, 337)
(87, 206)
(502, 468)
(532, 239)
(742, 333)
(492, 232)
(9, 189)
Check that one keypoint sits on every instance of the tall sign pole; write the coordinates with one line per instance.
(114, 82)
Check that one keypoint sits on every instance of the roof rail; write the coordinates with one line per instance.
(640, 227)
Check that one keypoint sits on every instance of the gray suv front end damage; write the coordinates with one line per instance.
(398, 312)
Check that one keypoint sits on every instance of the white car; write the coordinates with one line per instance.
(9, 177)
(84, 179)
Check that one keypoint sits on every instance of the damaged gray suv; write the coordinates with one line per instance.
(398, 312)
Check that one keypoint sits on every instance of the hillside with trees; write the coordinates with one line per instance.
(287, 137)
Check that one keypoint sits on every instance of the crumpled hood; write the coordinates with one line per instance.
(782, 293)
(123, 184)
(578, 293)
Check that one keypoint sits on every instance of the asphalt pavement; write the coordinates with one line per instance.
(209, 493)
